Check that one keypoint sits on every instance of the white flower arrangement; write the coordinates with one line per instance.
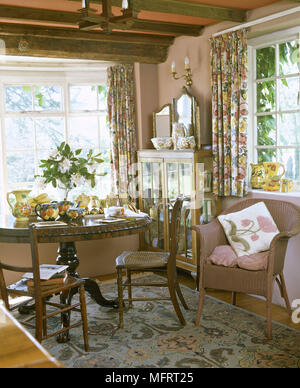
(65, 169)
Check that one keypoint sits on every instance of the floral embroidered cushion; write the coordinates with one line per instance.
(250, 230)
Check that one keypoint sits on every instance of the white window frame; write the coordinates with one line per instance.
(253, 44)
(45, 71)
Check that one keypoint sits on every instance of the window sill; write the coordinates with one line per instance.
(292, 194)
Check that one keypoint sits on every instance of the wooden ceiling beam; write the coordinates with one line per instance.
(184, 8)
(72, 18)
(38, 15)
(15, 29)
(70, 43)
(174, 29)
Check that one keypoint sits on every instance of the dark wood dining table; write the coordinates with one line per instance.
(89, 228)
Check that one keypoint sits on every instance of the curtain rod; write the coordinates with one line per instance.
(259, 21)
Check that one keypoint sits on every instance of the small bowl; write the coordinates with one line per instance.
(162, 143)
(186, 143)
(75, 213)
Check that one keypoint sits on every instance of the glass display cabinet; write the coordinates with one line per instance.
(163, 176)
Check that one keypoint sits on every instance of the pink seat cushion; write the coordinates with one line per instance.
(223, 255)
(254, 262)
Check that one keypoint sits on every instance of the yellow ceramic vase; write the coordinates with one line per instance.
(22, 208)
(273, 175)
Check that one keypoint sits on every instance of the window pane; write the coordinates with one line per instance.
(48, 98)
(18, 98)
(102, 94)
(266, 130)
(289, 62)
(50, 132)
(266, 96)
(266, 155)
(20, 167)
(291, 160)
(104, 133)
(289, 125)
(83, 132)
(83, 98)
(19, 133)
(265, 62)
(288, 93)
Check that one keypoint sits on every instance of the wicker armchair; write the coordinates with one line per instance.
(287, 218)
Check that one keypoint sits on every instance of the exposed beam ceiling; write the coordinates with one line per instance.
(142, 33)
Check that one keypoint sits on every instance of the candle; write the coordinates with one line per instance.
(187, 63)
(85, 4)
(125, 4)
(173, 67)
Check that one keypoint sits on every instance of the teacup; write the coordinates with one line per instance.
(47, 211)
(76, 213)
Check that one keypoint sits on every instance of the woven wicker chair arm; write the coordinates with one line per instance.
(211, 235)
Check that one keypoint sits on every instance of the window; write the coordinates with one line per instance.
(276, 103)
(38, 116)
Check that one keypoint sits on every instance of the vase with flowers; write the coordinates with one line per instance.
(66, 169)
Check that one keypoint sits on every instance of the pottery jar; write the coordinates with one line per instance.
(47, 211)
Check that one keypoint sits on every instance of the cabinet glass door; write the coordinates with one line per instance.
(152, 202)
(179, 183)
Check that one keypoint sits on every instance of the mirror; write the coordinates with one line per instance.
(187, 112)
(162, 121)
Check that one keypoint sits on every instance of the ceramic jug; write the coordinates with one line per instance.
(273, 175)
(63, 206)
(22, 208)
(258, 175)
(47, 211)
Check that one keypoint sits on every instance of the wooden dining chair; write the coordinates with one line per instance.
(42, 297)
(164, 262)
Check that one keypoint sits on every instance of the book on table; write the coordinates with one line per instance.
(55, 281)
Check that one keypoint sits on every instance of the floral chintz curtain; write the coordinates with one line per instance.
(229, 65)
(121, 117)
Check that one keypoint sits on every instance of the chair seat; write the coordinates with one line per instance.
(142, 259)
(20, 288)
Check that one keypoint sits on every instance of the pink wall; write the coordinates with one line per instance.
(197, 49)
(96, 257)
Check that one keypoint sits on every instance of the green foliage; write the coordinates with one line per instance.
(66, 169)
(266, 90)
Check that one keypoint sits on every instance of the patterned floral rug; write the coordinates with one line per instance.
(153, 338)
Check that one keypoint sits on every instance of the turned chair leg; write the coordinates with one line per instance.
(233, 298)
(129, 288)
(120, 296)
(44, 319)
(200, 305)
(84, 317)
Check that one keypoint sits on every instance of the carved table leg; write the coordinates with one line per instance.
(67, 255)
